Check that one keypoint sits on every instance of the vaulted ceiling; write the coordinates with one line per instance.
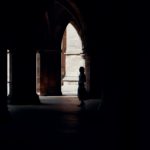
(40, 24)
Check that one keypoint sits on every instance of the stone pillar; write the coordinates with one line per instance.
(63, 57)
(3, 85)
(50, 74)
(24, 77)
(87, 71)
(38, 72)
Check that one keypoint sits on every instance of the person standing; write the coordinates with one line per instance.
(81, 86)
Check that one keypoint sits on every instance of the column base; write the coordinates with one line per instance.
(24, 100)
(4, 116)
(53, 93)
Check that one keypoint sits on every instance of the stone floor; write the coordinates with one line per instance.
(58, 124)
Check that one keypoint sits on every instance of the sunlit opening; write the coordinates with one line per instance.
(8, 72)
(71, 60)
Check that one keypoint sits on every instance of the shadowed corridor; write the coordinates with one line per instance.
(57, 123)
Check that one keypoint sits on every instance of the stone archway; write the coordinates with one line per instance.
(71, 60)
(50, 80)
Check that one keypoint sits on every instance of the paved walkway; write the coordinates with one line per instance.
(57, 124)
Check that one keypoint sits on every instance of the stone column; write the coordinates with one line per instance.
(63, 57)
(50, 74)
(3, 85)
(87, 71)
(38, 72)
(24, 77)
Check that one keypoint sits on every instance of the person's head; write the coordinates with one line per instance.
(81, 69)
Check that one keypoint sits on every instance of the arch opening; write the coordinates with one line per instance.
(71, 60)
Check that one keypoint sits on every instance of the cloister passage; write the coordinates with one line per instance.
(71, 59)
(51, 66)
(40, 63)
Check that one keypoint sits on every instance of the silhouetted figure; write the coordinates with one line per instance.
(81, 87)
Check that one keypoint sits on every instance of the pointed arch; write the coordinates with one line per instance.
(71, 60)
